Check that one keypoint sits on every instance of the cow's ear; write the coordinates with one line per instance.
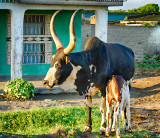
(67, 60)
(53, 56)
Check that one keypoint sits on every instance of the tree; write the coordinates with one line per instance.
(148, 8)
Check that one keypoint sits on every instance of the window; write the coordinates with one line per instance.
(33, 53)
(37, 40)
(34, 48)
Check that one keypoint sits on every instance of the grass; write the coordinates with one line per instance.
(44, 120)
(148, 66)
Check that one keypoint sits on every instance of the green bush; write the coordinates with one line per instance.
(19, 88)
(149, 24)
(155, 58)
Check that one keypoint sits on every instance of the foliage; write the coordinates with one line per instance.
(149, 24)
(148, 8)
(19, 88)
(149, 65)
(43, 121)
(155, 58)
(99, 93)
(117, 11)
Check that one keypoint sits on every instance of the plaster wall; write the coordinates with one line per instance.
(142, 40)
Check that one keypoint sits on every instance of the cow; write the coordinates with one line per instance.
(88, 71)
(118, 92)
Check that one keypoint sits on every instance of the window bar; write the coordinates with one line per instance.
(32, 27)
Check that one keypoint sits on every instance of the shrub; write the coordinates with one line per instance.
(149, 24)
(19, 88)
(155, 58)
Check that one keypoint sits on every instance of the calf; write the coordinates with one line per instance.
(117, 90)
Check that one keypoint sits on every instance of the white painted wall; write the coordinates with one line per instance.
(17, 15)
(101, 25)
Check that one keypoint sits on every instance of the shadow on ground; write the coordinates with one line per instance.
(60, 133)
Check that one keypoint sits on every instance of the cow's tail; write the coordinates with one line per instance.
(129, 83)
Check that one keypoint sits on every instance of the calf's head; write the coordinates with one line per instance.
(60, 68)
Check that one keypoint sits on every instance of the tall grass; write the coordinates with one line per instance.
(41, 120)
(44, 120)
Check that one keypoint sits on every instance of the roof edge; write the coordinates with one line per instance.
(75, 2)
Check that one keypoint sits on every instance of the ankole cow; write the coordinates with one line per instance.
(88, 71)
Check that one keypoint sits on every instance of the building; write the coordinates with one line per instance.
(26, 45)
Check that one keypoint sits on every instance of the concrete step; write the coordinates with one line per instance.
(55, 90)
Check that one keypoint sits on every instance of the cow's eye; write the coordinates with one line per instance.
(57, 65)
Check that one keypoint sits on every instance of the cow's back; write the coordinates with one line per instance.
(121, 60)
(111, 58)
(91, 43)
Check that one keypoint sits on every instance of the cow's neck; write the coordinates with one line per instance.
(83, 79)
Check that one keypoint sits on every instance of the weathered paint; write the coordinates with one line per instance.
(4, 68)
(17, 16)
(101, 25)
(37, 69)
(63, 32)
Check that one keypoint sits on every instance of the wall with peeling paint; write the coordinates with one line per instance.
(4, 68)
(62, 28)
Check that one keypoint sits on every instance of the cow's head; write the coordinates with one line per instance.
(61, 68)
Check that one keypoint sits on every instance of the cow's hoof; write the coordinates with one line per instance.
(113, 130)
(118, 136)
(102, 132)
(124, 130)
(107, 133)
(87, 129)
(129, 130)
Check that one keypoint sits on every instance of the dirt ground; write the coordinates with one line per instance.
(145, 103)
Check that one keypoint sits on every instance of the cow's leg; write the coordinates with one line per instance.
(103, 112)
(128, 115)
(108, 116)
(118, 109)
(88, 127)
(112, 119)
(124, 119)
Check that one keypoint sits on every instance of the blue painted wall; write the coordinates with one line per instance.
(111, 16)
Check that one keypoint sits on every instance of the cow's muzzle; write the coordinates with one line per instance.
(46, 84)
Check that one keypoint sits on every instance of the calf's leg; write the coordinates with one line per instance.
(108, 117)
(103, 112)
(112, 118)
(118, 116)
(124, 119)
(128, 115)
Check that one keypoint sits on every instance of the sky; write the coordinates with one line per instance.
(131, 4)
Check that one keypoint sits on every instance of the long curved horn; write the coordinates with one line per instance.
(53, 31)
(73, 40)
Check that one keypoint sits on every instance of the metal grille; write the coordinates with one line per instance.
(34, 24)
(6, 1)
(34, 52)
